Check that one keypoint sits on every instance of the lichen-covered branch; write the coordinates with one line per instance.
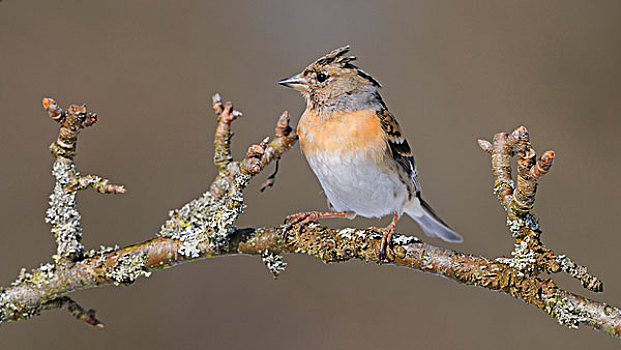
(63, 214)
(205, 227)
(212, 216)
(332, 246)
(530, 255)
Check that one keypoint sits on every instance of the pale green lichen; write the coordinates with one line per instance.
(565, 311)
(570, 267)
(36, 277)
(522, 258)
(579, 272)
(190, 224)
(103, 250)
(63, 214)
(5, 306)
(227, 211)
(274, 262)
(206, 218)
(347, 233)
(8, 309)
(22, 277)
(517, 225)
(128, 268)
(402, 240)
(361, 233)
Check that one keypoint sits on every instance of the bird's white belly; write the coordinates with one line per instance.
(354, 183)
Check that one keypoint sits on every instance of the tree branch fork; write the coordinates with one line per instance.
(205, 227)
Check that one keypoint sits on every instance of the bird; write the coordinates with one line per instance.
(358, 151)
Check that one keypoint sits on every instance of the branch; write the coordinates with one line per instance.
(63, 213)
(529, 256)
(205, 228)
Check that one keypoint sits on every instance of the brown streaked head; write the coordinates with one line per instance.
(331, 76)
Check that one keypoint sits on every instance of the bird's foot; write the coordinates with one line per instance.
(385, 248)
(304, 218)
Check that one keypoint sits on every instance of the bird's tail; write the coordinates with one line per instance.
(430, 222)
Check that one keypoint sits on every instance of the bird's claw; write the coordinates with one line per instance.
(302, 219)
(385, 248)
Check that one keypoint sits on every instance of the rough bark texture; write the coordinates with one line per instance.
(205, 227)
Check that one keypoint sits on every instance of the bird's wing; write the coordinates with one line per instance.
(399, 146)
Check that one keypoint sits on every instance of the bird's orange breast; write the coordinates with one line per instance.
(341, 132)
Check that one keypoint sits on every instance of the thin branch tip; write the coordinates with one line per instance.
(54, 111)
(485, 145)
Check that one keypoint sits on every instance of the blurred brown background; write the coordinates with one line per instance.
(453, 71)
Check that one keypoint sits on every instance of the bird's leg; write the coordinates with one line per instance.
(305, 218)
(389, 231)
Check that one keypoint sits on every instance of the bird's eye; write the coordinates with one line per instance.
(321, 77)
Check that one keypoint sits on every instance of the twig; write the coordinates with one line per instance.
(76, 310)
(530, 255)
(63, 213)
(270, 180)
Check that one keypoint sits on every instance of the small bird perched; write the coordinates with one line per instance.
(357, 149)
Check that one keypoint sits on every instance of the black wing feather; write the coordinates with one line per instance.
(399, 147)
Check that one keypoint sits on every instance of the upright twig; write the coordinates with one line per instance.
(63, 213)
(530, 255)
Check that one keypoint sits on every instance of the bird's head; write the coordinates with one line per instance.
(331, 77)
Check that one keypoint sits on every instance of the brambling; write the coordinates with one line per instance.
(357, 149)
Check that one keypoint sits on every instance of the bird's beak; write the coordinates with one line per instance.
(295, 82)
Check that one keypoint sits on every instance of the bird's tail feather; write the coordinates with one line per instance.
(430, 222)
